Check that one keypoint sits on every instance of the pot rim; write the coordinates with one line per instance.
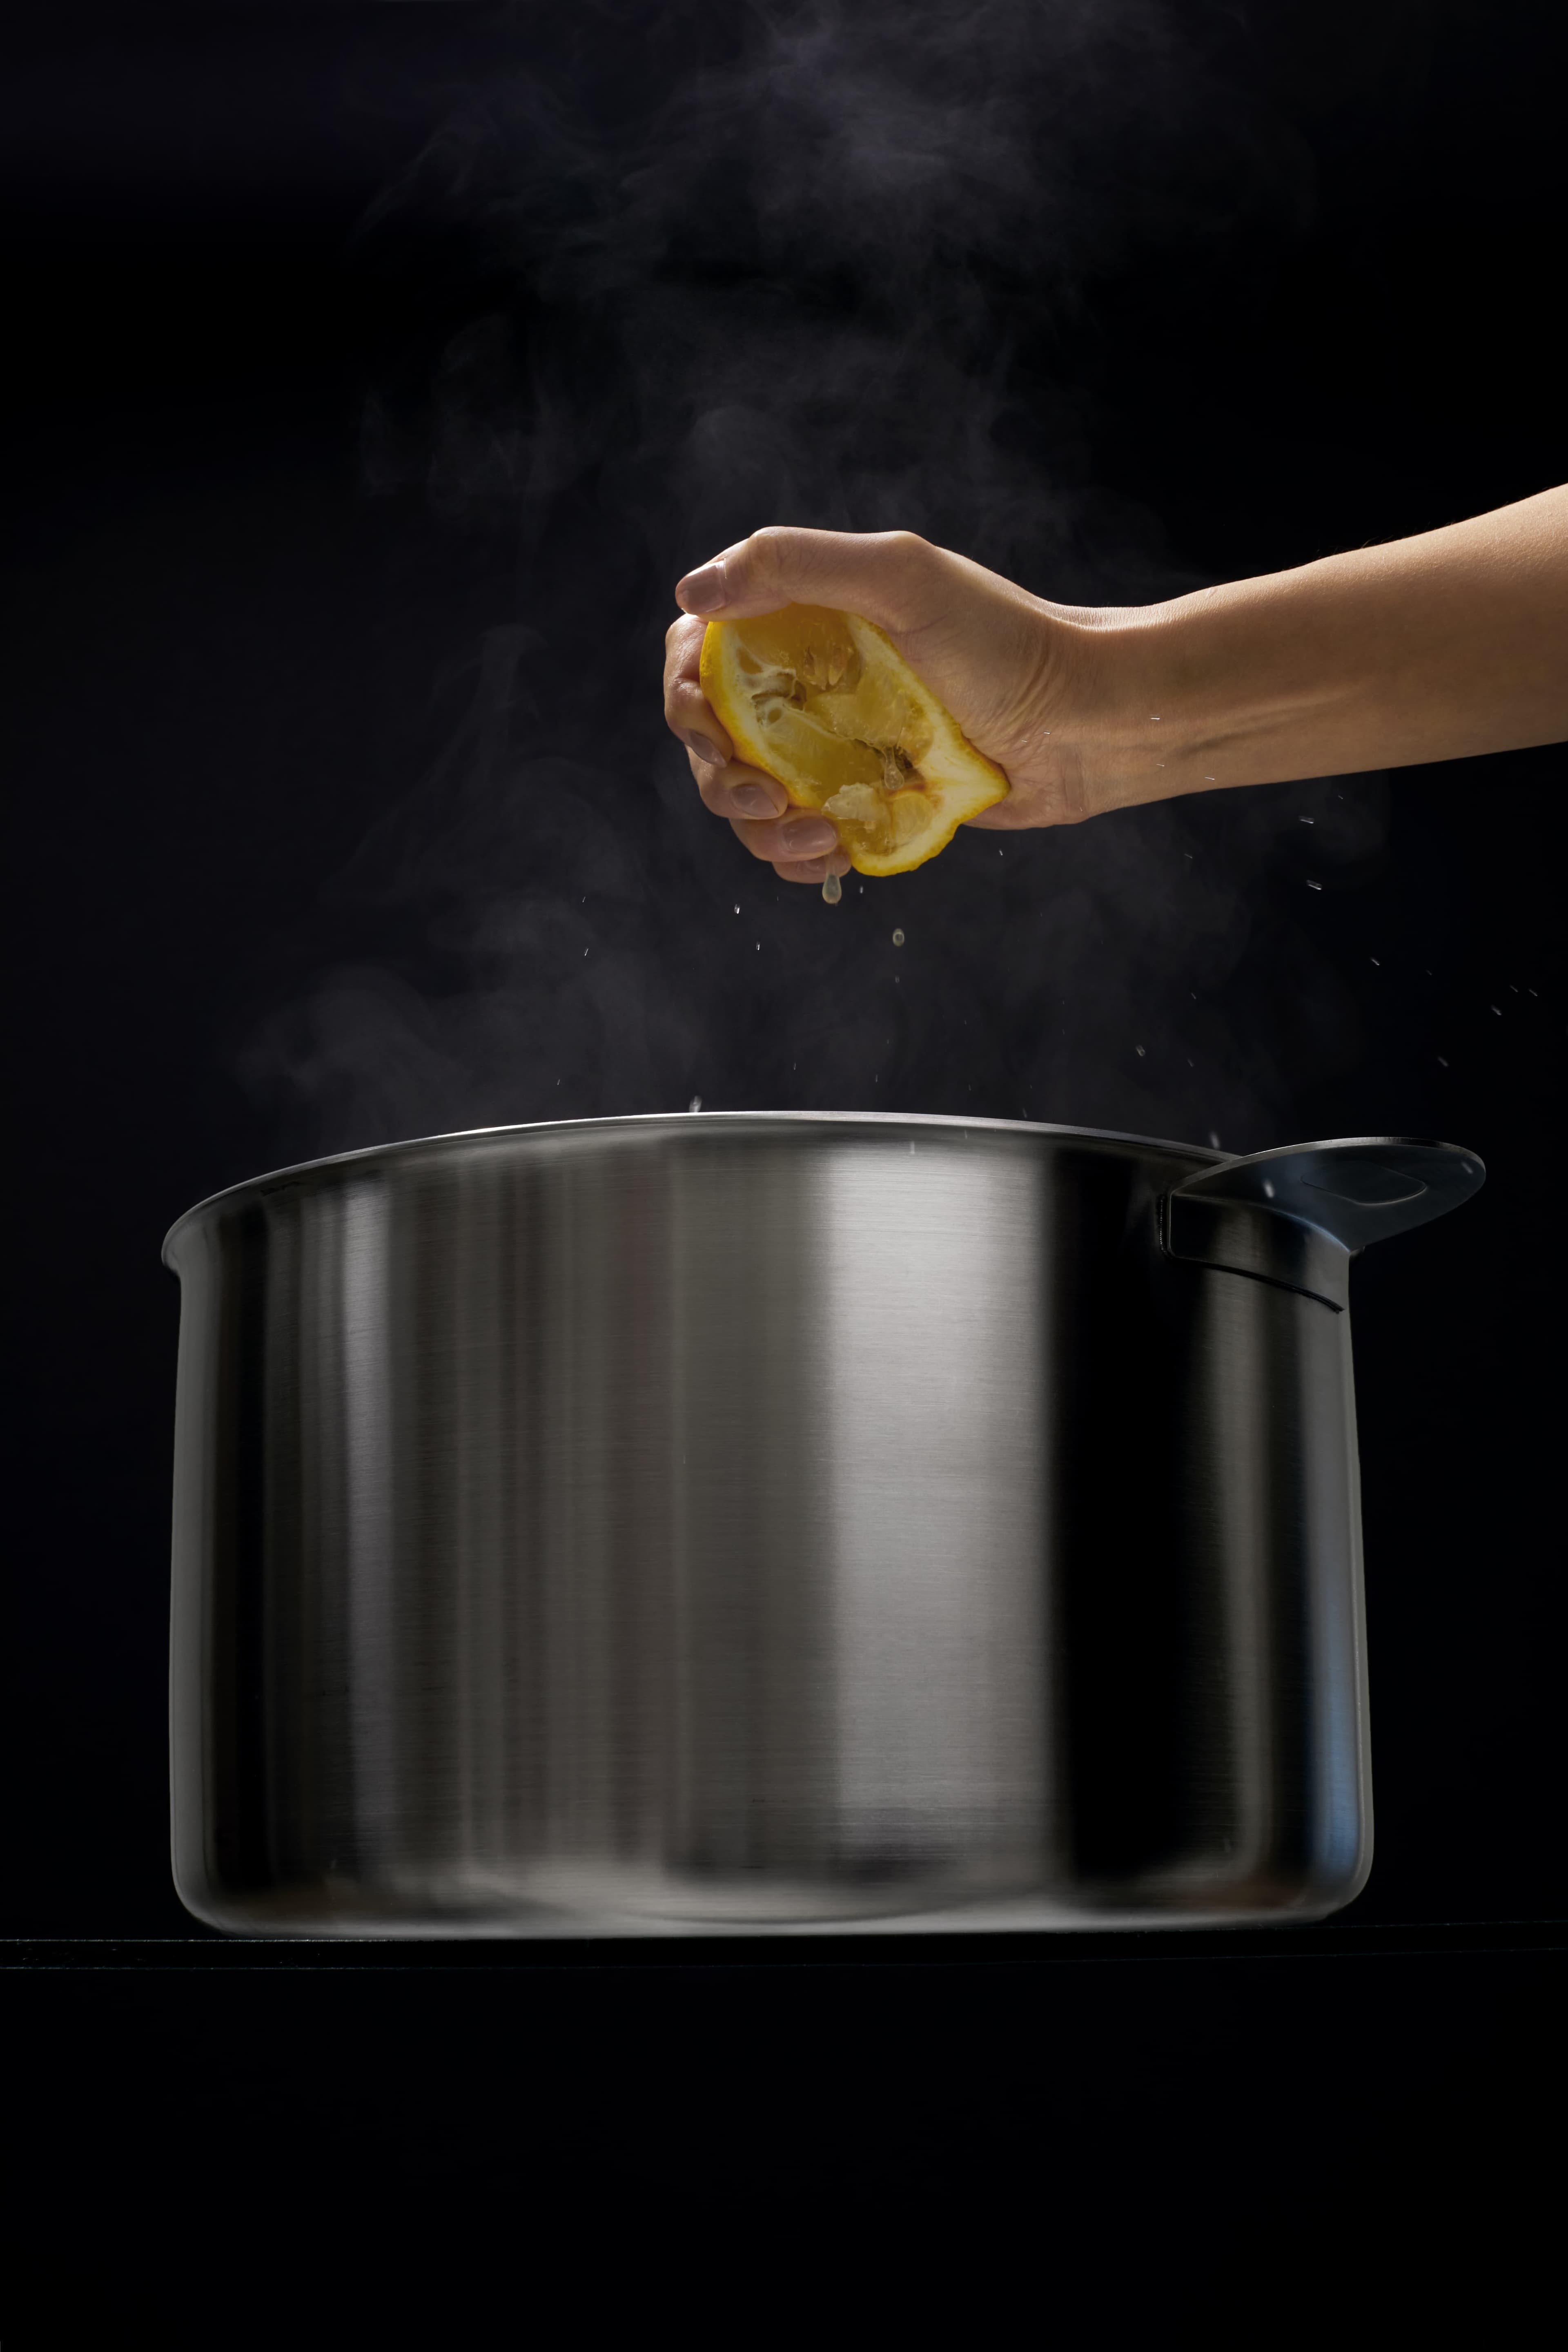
(1202, 1155)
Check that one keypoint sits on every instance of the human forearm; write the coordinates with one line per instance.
(1432, 648)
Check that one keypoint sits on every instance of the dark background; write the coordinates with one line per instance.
(372, 372)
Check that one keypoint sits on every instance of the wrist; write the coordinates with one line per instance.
(1132, 711)
(1207, 690)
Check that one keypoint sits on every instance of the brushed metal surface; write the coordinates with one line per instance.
(756, 1522)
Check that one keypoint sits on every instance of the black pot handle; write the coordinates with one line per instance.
(1299, 1215)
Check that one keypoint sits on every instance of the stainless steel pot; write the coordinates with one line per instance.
(740, 1523)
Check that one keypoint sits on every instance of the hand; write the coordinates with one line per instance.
(1436, 648)
(1010, 667)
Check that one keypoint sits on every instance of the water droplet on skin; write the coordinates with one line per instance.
(898, 939)
(831, 889)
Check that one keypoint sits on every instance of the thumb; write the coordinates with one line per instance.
(889, 577)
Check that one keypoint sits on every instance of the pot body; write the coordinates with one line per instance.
(751, 1523)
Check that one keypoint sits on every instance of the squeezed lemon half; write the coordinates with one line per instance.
(820, 700)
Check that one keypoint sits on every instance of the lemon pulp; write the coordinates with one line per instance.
(820, 700)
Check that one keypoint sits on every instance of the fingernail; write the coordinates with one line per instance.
(701, 591)
(811, 838)
(753, 800)
(707, 751)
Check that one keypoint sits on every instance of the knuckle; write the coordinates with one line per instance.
(769, 554)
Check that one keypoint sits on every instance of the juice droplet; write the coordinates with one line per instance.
(831, 890)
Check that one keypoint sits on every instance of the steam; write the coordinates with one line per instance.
(806, 264)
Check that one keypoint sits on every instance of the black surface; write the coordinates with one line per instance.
(310, 843)
(1229, 2146)
(1321, 1939)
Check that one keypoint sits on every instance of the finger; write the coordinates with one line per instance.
(812, 869)
(687, 711)
(790, 841)
(890, 576)
(683, 651)
(737, 790)
(756, 839)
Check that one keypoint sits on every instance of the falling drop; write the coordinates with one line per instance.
(696, 1103)
(831, 889)
(898, 939)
